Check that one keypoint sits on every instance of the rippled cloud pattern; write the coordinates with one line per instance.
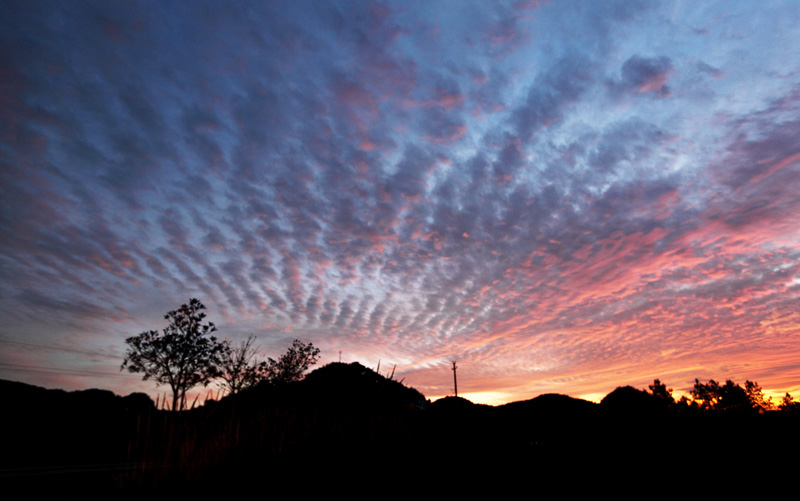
(564, 197)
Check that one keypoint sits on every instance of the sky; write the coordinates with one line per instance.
(563, 197)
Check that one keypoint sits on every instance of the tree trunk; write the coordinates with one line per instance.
(175, 396)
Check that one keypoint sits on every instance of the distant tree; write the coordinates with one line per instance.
(730, 396)
(240, 367)
(183, 355)
(661, 392)
(733, 398)
(788, 404)
(756, 396)
(706, 395)
(293, 364)
(684, 403)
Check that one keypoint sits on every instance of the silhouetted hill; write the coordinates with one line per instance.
(346, 423)
(452, 403)
(552, 402)
(335, 386)
(29, 398)
(337, 417)
(627, 399)
(46, 433)
(355, 385)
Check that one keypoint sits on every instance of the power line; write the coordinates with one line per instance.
(58, 348)
(21, 368)
(50, 370)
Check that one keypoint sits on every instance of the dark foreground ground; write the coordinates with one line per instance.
(347, 426)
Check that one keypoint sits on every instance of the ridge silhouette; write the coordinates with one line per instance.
(346, 423)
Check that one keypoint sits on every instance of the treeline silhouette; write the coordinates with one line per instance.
(346, 423)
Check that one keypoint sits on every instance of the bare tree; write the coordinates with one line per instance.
(241, 367)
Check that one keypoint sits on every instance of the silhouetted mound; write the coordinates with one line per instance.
(48, 432)
(335, 386)
(627, 399)
(29, 399)
(553, 403)
(337, 419)
(452, 403)
(355, 385)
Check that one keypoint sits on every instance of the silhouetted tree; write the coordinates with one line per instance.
(788, 404)
(183, 355)
(293, 364)
(662, 393)
(685, 403)
(729, 397)
(756, 396)
(240, 367)
(706, 395)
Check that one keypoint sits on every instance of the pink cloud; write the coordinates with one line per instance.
(776, 167)
(655, 83)
(451, 136)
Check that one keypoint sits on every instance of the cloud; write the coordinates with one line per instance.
(643, 75)
(551, 93)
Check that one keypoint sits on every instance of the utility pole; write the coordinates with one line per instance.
(455, 381)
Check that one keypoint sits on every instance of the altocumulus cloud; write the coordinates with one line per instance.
(411, 184)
